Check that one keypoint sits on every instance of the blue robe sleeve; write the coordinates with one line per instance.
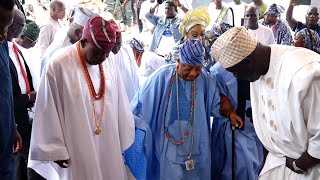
(248, 149)
(226, 82)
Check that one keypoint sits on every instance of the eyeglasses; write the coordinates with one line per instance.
(32, 41)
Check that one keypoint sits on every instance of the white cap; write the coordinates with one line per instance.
(82, 15)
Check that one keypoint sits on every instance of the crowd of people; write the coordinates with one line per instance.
(155, 89)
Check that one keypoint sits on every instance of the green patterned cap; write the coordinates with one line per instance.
(31, 29)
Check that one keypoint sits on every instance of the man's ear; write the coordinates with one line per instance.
(14, 28)
(83, 42)
(77, 32)
(22, 36)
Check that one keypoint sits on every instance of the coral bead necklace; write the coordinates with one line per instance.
(94, 96)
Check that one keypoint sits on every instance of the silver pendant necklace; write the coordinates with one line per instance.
(189, 163)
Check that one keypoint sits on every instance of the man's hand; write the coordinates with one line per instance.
(123, 7)
(32, 97)
(236, 120)
(227, 110)
(62, 163)
(17, 144)
(177, 3)
(293, 3)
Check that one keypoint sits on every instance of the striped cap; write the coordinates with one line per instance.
(100, 32)
(192, 52)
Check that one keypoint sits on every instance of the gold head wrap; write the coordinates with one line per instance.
(199, 15)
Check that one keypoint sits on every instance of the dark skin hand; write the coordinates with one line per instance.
(32, 95)
(304, 162)
(62, 163)
(17, 141)
(227, 110)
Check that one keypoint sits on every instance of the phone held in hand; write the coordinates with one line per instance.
(303, 2)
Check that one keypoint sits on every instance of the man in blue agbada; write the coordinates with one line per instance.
(172, 114)
(10, 140)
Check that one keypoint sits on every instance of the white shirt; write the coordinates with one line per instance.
(32, 59)
(47, 33)
(64, 125)
(128, 69)
(263, 35)
(150, 62)
(61, 40)
(214, 15)
(238, 11)
(285, 107)
(13, 57)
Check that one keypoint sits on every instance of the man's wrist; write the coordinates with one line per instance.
(28, 97)
(297, 169)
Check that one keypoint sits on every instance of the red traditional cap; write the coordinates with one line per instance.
(116, 27)
(100, 33)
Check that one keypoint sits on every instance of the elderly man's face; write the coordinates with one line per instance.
(188, 72)
(6, 19)
(312, 16)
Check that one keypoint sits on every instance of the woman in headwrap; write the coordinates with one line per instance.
(193, 26)
(307, 38)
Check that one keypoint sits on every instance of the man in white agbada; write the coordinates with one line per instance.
(147, 61)
(50, 28)
(262, 34)
(285, 84)
(123, 57)
(83, 120)
(219, 12)
(68, 36)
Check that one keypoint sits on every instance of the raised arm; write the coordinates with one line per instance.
(291, 21)
(150, 16)
(181, 6)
